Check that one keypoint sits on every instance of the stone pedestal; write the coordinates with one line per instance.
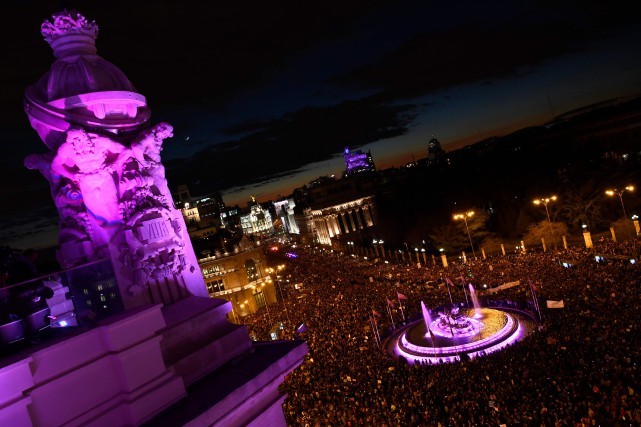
(110, 375)
(198, 338)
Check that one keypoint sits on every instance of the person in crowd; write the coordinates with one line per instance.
(579, 368)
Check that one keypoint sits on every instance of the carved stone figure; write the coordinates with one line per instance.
(105, 168)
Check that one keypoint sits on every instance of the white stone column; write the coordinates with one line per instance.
(358, 218)
(369, 220)
(344, 221)
(350, 214)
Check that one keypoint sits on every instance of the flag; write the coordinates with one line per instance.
(448, 281)
(555, 304)
(400, 296)
(376, 313)
(390, 303)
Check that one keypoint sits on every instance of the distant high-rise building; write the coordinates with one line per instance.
(285, 211)
(358, 161)
(435, 153)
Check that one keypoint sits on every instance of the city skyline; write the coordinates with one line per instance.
(263, 100)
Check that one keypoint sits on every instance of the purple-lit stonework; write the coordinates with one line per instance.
(141, 363)
(473, 332)
(105, 170)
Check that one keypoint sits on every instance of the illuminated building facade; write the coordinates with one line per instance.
(285, 211)
(239, 277)
(341, 220)
(257, 222)
(357, 161)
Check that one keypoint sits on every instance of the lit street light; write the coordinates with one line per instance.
(620, 194)
(375, 243)
(545, 202)
(464, 217)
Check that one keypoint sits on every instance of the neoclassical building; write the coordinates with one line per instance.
(239, 277)
(257, 222)
(343, 219)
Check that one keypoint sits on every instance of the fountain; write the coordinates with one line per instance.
(426, 316)
(475, 301)
(458, 332)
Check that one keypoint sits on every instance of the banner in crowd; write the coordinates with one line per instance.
(555, 304)
(504, 286)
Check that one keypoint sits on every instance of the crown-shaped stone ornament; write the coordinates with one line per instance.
(67, 22)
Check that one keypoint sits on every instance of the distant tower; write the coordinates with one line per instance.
(105, 170)
(357, 161)
(435, 154)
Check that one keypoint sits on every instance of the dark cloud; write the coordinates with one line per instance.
(482, 51)
(277, 147)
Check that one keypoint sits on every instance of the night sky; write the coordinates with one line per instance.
(263, 96)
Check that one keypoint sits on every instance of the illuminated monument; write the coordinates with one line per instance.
(105, 171)
(169, 356)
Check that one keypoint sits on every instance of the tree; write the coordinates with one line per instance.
(583, 205)
(542, 230)
(451, 237)
(492, 245)
(623, 229)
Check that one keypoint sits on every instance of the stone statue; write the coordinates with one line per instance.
(105, 169)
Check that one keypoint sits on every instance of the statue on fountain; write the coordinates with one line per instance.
(455, 320)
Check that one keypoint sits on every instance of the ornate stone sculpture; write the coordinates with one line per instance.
(105, 170)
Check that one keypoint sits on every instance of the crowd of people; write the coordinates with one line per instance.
(580, 368)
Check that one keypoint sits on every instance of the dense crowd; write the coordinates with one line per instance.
(579, 369)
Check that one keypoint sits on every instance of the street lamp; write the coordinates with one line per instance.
(544, 202)
(375, 243)
(464, 217)
(620, 194)
(282, 297)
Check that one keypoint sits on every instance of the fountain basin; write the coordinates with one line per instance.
(473, 333)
